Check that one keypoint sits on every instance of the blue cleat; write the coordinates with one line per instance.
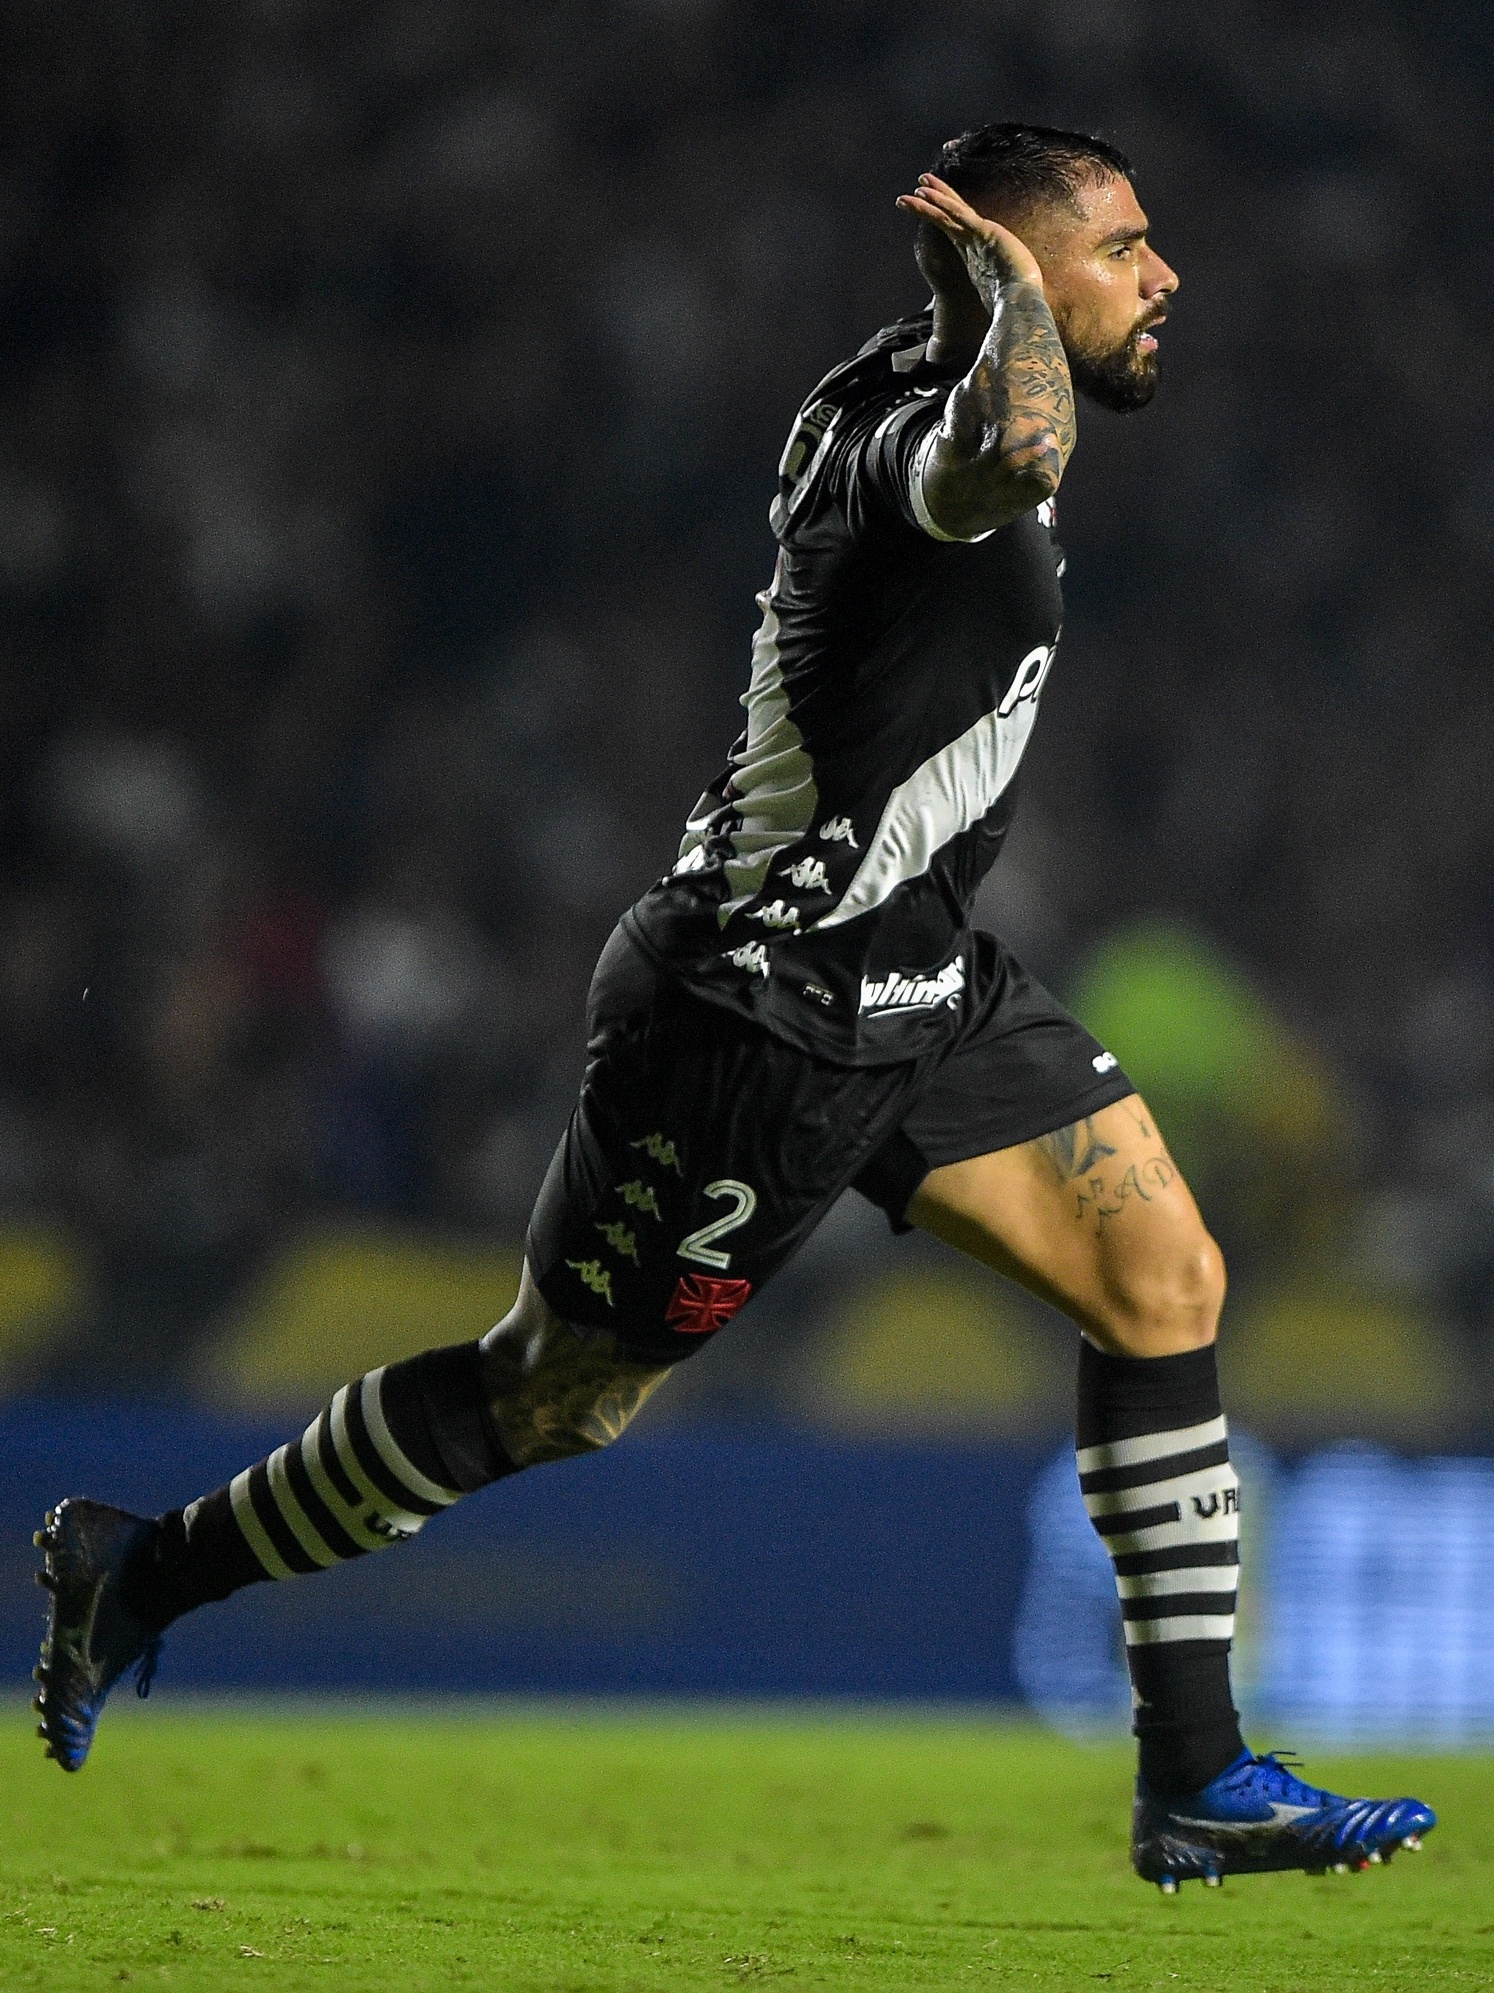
(92, 1636)
(1259, 1815)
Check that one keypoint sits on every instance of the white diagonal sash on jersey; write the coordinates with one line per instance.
(772, 785)
(950, 793)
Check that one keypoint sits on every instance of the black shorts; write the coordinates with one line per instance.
(703, 1151)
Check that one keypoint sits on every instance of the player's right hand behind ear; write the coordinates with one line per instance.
(993, 255)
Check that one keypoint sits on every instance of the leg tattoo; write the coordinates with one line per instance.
(553, 1390)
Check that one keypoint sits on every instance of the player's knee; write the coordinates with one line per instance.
(554, 1391)
(1166, 1304)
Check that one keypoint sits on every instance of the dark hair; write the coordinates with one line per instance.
(1023, 165)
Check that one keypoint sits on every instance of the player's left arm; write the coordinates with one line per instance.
(1009, 426)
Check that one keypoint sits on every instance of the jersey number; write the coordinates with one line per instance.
(698, 1246)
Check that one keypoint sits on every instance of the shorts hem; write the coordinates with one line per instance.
(894, 1179)
(1116, 1088)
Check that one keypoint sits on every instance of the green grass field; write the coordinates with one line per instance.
(571, 1850)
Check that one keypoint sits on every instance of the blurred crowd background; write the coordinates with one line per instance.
(389, 403)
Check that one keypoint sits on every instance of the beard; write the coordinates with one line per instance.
(1123, 379)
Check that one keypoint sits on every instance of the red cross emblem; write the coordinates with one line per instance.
(701, 1304)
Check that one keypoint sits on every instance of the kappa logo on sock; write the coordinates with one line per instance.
(701, 1304)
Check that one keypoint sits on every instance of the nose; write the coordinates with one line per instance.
(1158, 279)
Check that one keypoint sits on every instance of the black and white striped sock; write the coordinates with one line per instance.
(1155, 1472)
(392, 1450)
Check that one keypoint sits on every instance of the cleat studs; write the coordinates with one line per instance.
(1213, 1881)
(1168, 1884)
(1374, 1859)
(1340, 1868)
(1412, 1844)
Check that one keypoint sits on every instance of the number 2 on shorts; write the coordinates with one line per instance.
(698, 1246)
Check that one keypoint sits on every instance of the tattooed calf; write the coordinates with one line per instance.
(554, 1390)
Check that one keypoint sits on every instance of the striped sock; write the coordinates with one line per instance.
(392, 1450)
(1155, 1472)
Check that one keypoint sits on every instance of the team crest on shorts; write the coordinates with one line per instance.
(701, 1304)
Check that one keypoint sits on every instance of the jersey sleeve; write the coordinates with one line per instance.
(884, 466)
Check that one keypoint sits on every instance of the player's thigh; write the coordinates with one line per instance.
(1097, 1219)
(701, 1154)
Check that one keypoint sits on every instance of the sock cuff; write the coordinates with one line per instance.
(435, 1406)
(1127, 1397)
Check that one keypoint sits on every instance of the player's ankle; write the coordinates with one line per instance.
(147, 1583)
(1176, 1761)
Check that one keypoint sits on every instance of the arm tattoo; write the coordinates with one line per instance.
(1019, 387)
(1010, 425)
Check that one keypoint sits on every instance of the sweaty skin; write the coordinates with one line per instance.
(1097, 1220)
(1072, 300)
(1096, 1217)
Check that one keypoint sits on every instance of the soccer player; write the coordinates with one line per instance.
(801, 1006)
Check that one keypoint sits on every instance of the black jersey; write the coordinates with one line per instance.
(824, 883)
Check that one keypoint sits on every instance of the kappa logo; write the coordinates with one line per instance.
(639, 1196)
(659, 1151)
(808, 875)
(621, 1240)
(1028, 682)
(752, 956)
(701, 1304)
(595, 1276)
(880, 998)
(838, 831)
(1104, 1062)
(776, 914)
